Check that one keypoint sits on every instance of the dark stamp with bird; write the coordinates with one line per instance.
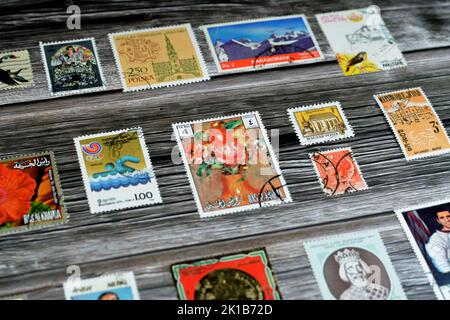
(240, 276)
(338, 171)
(15, 70)
(72, 67)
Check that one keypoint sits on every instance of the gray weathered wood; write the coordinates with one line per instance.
(147, 240)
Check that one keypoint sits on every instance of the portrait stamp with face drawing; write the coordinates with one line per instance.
(354, 266)
(230, 164)
(427, 227)
(338, 171)
(15, 70)
(158, 57)
(72, 66)
(117, 286)
(361, 41)
(320, 123)
(416, 125)
(240, 276)
(117, 171)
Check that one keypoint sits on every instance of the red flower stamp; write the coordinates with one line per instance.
(338, 171)
(241, 276)
(30, 194)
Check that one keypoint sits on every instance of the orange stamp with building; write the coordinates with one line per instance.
(158, 57)
(416, 125)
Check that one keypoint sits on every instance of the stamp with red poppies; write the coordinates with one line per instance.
(338, 171)
(30, 193)
(230, 164)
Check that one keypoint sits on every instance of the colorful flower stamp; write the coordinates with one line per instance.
(240, 276)
(72, 66)
(416, 125)
(427, 227)
(15, 70)
(230, 164)
(262, 43)
(30, 193)
(354, 266)
(338, 171)
(158, 57)
(320, 123)
(117, 171)
(117, 286)
(361, 41)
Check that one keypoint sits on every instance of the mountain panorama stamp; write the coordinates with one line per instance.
(117, 286)
(240, 276)
(320, 123)
(117, 171)
(354, 266)
(158, 57)
(30, 193)
(230, 164)
(72, 66)
(427, 227)
(15, 70)
(262, 43)
(416, 125)
(338, 171)
(361, 41)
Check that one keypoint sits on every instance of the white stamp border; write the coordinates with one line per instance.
(404, 65)
(194, 42)
(78, 91)
(274, 161)
(413, 243)
(373, 232)
(31, 84)
(397, 137)
(85, 177)
(57, 177)
(103, 279)
(354, 160)
(212, 51)
(349, 133)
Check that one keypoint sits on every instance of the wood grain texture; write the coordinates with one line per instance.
(148, 240)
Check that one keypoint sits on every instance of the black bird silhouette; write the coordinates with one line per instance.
(360, 57)
(7, 76)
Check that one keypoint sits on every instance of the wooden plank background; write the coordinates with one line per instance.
(148, 240)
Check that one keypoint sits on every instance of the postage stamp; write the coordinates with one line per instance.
(354, 266)
(117, 286)
(230, 164)
(416, 125)
(338, 171)
(30, 193)
(240, 276)
(15, 70)
(361, 41)
(320, 123)
(158, 57)
(262, 43)
(72, 66)
(117, 171)
(427, 227)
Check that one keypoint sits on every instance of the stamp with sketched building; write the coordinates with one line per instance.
(158, 57)
(240, 276)
(416, 125)
(320, 123)
(72, 67)
(117, 171)
(30, 193)
(262, 43)
(230, 164)
(354, 266)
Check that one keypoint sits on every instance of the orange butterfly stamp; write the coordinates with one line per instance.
(416, 125)
(338, 171)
